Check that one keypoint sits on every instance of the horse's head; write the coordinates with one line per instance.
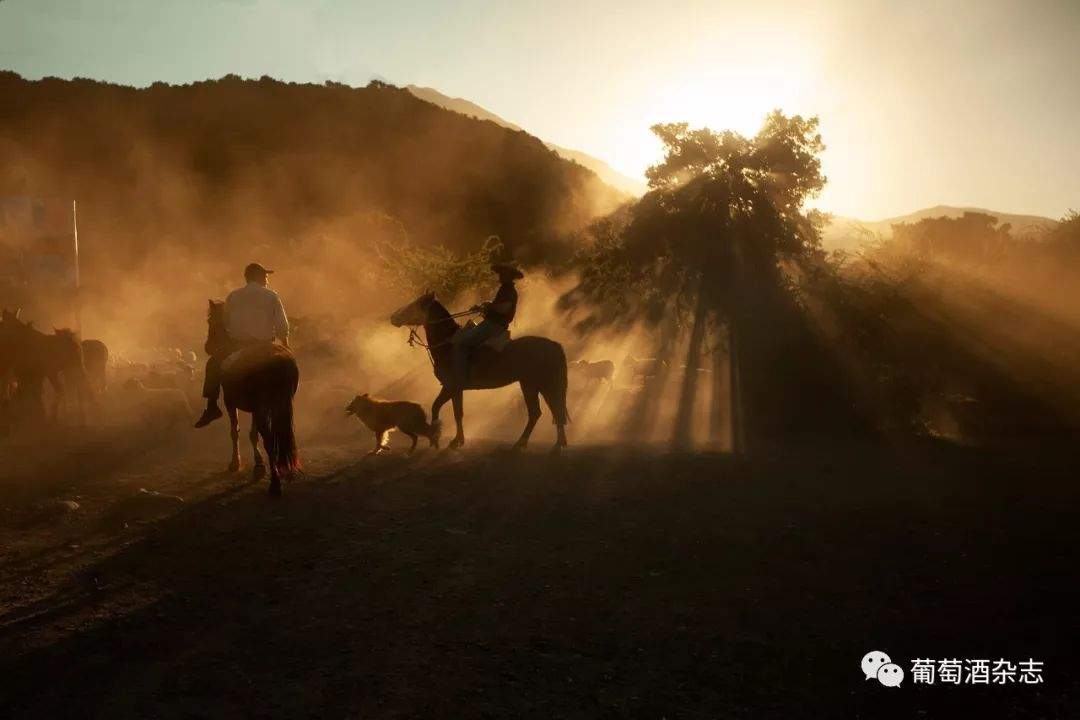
(9, 319)
(215, 323)
(11, 327)
(215, 315)
(415, 313)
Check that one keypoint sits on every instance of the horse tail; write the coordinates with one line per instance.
(283, 436)
(557, 401)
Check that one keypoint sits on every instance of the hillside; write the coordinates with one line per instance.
(604, 171)
(219, 166)
(845, 233)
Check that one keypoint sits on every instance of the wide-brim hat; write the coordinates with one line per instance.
(506, 270)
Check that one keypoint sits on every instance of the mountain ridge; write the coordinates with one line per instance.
(219, 165)
(847, 233)
(605, 172)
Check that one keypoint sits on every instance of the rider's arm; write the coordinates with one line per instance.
(281, 322)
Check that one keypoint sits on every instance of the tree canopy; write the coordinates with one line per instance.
(721, 205)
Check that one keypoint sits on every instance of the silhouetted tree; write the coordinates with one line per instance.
(406, 269)
(704, 245)
(973, 236)
(1064, 239)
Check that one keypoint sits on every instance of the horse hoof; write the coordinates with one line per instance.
(258, 472)
(234, 466)
(275, 490)
(556, 451)
(456, 443)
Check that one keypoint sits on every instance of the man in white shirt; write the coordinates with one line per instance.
(253, 314)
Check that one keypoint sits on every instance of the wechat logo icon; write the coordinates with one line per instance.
(876, 664)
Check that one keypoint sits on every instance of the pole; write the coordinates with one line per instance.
(78, 293)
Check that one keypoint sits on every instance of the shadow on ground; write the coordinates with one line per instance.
(605, 583)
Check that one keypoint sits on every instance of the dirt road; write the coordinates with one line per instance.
(611, 582)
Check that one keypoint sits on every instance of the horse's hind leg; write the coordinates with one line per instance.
(258, 471)
(413, 438)
(532, 404)
(234, 434)
(262, 423)
(556, 402)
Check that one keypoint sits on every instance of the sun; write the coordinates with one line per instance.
(729, 89)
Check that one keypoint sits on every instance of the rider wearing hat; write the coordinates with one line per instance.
(253, 314)
(498, 314)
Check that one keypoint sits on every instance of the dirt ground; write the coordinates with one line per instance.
(610, 582)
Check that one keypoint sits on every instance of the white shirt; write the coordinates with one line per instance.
(254, 312)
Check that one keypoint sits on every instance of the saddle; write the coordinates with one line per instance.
(496, 343)
(248, 356)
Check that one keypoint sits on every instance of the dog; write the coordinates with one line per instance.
(383, 416)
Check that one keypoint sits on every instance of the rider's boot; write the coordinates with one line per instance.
(210, 414)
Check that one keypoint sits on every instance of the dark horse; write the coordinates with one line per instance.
(537, 363)
(260, 379)
(33, 356)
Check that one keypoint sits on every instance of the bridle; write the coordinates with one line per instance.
(414, 336)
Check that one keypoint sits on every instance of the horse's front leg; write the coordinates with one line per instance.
(258, 471)
(440, 400)
(459, 413)
(532, 406)
(234, 433)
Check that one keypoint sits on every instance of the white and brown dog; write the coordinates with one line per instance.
(383, 416)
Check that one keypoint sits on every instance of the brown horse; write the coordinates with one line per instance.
(32, 356)
(262, 380)
(536, 363)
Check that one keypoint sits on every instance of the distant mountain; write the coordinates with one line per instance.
(604, 171)
(845, 233)
(219, 165)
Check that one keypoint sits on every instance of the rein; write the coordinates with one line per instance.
(414, 336)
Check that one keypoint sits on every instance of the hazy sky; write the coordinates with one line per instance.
(972, 102)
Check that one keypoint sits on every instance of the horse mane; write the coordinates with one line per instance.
(439, 309)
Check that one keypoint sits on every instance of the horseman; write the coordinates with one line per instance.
(497, 314)
(253, 315)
